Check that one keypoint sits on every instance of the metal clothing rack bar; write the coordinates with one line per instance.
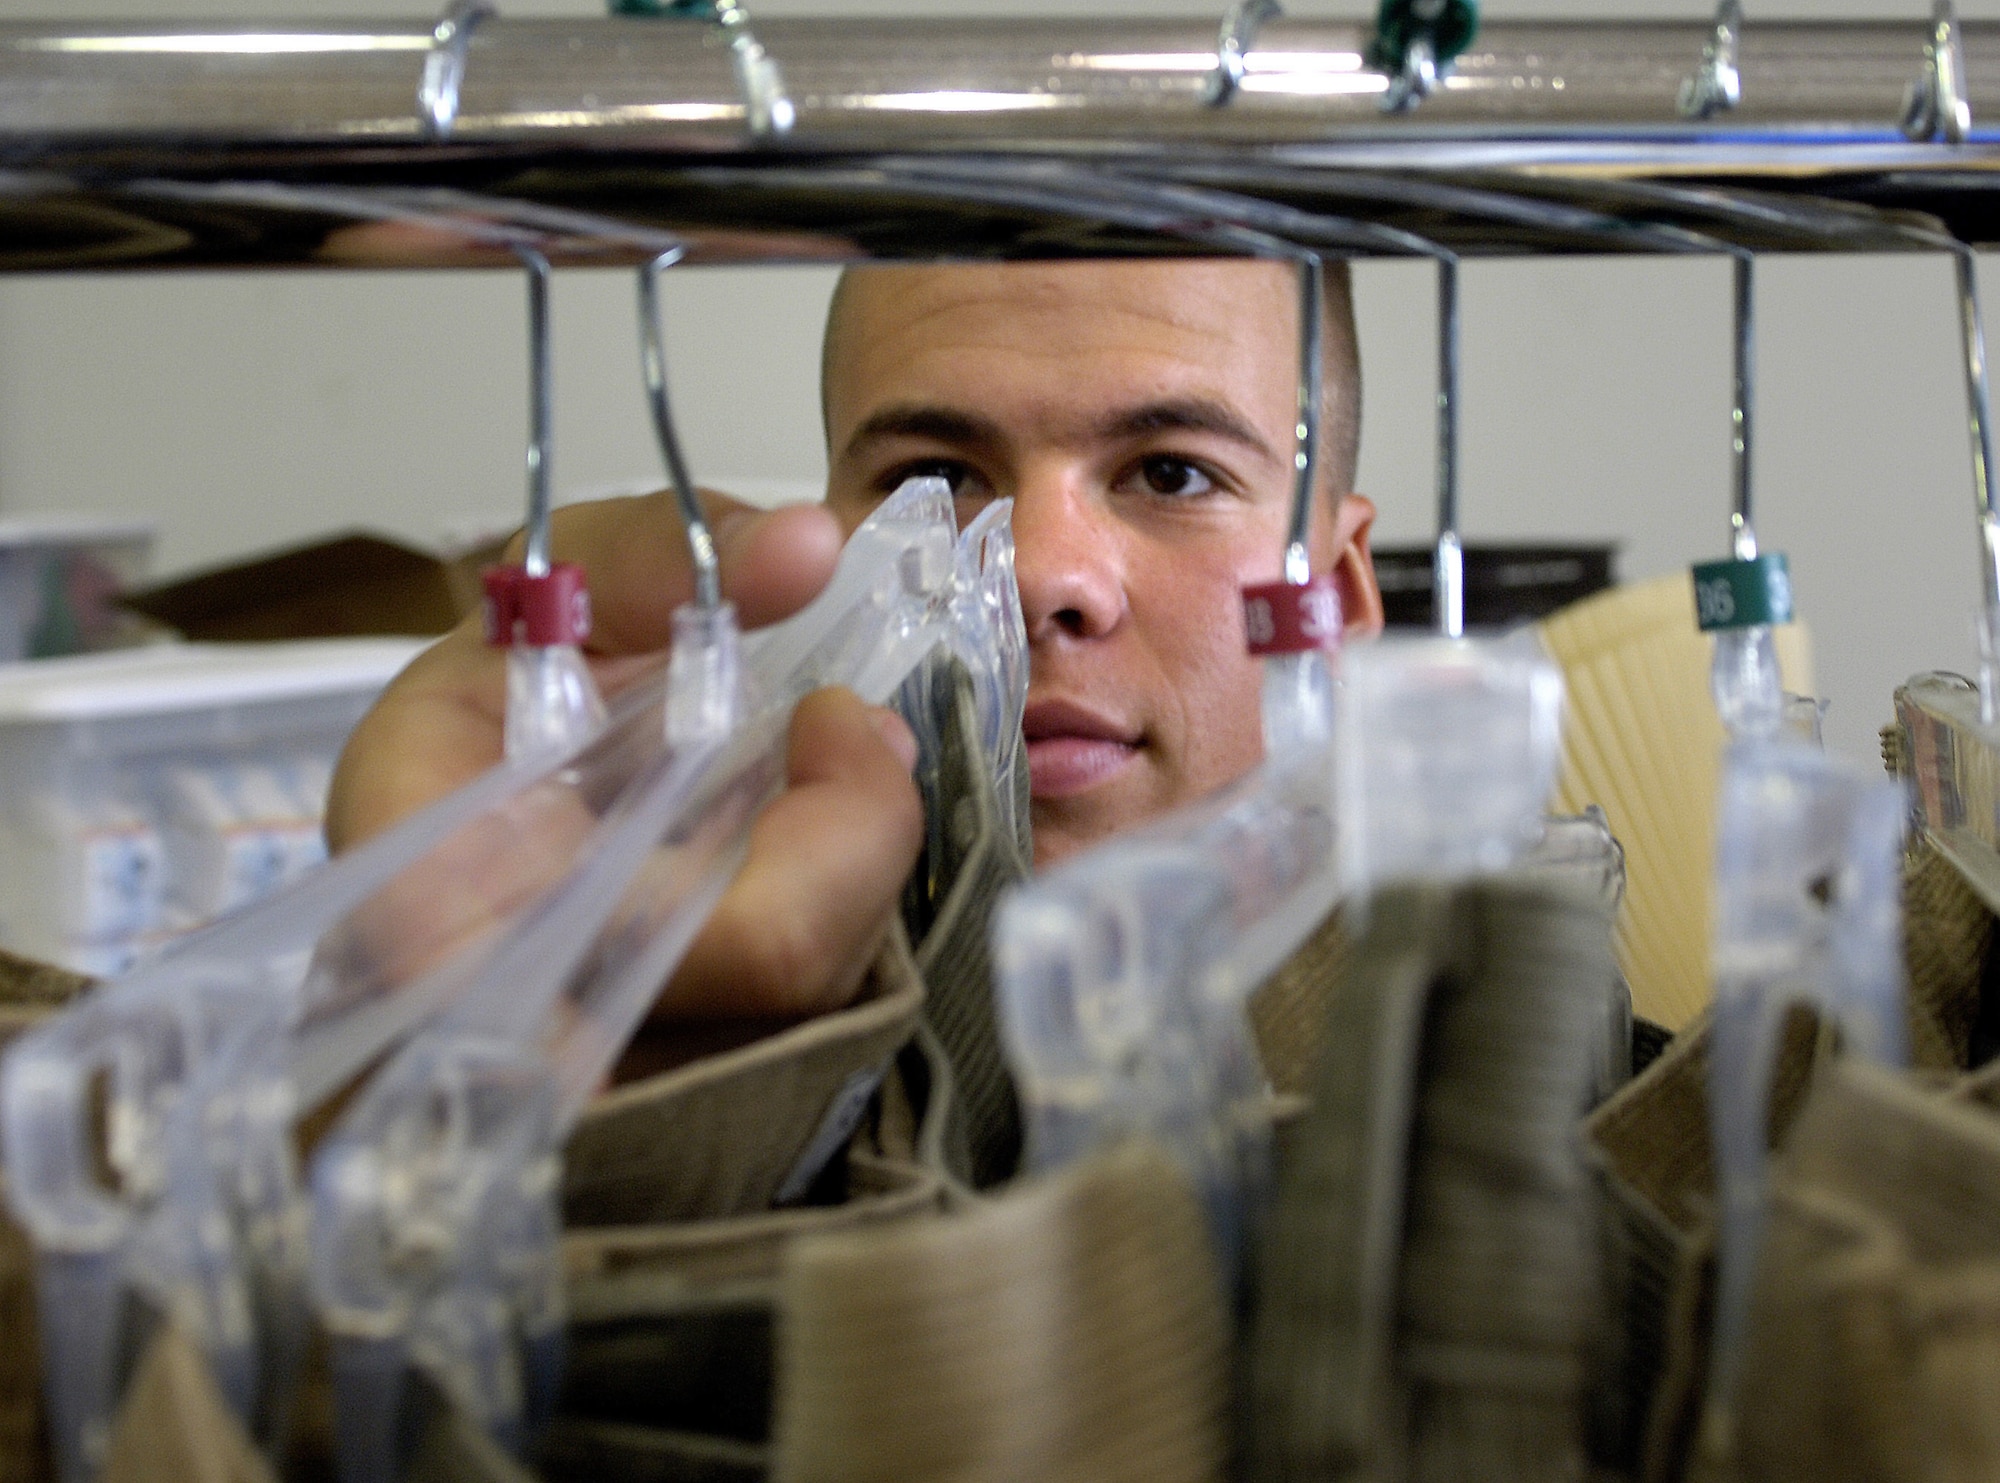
(954, 82)
(645, 121)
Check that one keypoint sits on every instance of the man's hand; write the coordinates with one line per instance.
(827, 860)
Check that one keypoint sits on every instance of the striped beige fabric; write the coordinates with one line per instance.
(1947, 934)
(1070, 1330)
(969, 861)
(1649, 1148)
(29, 993)
(671, 1326)
(720, 1136)
(174, 1426)
(1288, 1011)
(1426, 1295)
(1875, 1326)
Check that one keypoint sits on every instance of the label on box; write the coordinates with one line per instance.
(120, 873)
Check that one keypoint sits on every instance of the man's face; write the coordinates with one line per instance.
(1140, 416)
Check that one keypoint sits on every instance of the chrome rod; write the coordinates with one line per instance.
(1306, 431)
(948, 82)
(541, 393)
(1742, 528)
(1450, 553)
(622, 119)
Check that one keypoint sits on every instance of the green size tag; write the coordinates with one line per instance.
(1742, 594)
(701, 10)
(1449, 26)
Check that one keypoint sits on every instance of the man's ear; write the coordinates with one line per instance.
(1354, 567)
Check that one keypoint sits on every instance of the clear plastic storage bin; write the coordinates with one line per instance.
(145, 792)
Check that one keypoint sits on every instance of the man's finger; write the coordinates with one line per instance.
(442, 721)
(799, 925)
(634, 553)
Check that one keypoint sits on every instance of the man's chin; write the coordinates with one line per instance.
(1068, 826)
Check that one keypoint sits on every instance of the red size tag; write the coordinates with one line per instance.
(535, 612)
(501, 608)
(1284, 618)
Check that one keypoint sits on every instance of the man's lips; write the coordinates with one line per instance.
(1072, 748)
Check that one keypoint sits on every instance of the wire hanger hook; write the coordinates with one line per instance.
(653, 362)
(1718, 86)
(1240, 25)
(1936, 105)
(766, 107)
(535, 560)
(444, 65)
(1306, 430)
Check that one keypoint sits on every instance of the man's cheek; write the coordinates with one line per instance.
(1219, 692)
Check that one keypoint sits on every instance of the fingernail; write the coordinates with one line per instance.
(727, 526)
(902, 741)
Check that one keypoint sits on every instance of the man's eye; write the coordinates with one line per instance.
(1171, 477)
(958, 475)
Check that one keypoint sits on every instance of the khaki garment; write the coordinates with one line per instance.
(970, 860)
(1427, 1289)
(1872, 1338)
(174, 1426)
(1649, 1149)
(1947, 936)
(29, 993)
(579, 1451)
(1069, 1330)
(672, 1326)
(1874, 1344)
(726, 1134)
(1288, 1011)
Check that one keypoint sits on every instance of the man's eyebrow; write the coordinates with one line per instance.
(1186, 414)
(938, 424)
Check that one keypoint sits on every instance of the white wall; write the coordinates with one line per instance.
(246, 410)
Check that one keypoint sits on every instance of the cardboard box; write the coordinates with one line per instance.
(351, 585)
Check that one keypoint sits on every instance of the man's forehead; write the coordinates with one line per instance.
(1200, 297)
(1063, 344)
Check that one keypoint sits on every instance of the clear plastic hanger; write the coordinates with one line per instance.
(224, 1251)
(1808, 910)
(989, 639)
(1447, 747)
(192, 1065)
(89, 1102)
(434, 1227)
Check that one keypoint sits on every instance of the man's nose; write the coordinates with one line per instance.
(1068, 556)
